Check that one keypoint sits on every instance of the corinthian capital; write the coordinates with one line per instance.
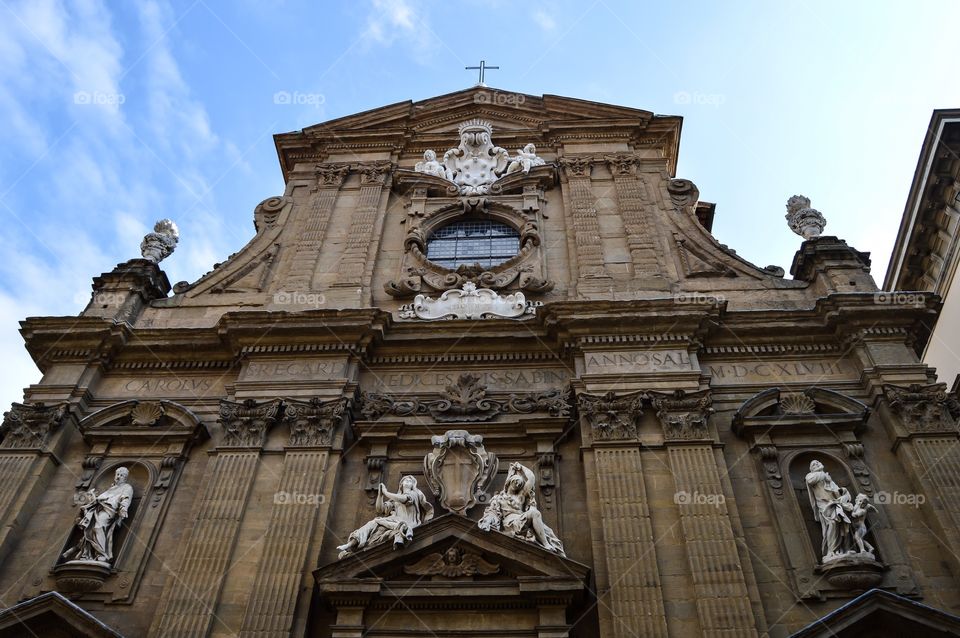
(30, 426)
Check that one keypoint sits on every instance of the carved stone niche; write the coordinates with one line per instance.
(152, 440)
(78, 574)
(525, 271)
(786, 430)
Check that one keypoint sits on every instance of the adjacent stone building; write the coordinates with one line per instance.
(484, 371)
(926, 253)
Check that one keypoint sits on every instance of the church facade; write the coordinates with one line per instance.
(483, 371)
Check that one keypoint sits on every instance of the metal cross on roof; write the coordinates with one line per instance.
(483, 67)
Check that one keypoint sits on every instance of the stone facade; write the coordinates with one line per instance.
(608, 432)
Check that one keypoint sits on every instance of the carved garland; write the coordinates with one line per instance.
(464, 401)
(421, 274)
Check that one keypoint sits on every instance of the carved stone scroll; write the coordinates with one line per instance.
(470, 303)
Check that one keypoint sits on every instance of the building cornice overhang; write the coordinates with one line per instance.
(835, 318)
(374, 334)
(919, 207)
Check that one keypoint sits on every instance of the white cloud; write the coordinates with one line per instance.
(109, 168)
(402, 22)
(544, 20)
(174, 118)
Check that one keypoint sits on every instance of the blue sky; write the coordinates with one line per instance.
(116, 114)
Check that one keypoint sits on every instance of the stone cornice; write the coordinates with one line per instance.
(834, 323)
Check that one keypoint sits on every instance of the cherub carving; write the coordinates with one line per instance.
(858, 518)
(526, 159)
(431, 166)
(452, 563)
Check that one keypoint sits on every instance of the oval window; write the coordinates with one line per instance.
(469, 242)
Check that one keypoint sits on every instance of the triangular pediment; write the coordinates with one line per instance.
(51, 614)
(410, 127)
(510, 558)
(507, 107)
(881, 613)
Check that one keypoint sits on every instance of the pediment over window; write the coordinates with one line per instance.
(807, 410)
(881, 613)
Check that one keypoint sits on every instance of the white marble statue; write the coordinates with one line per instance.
(159, 244)
(100, 516)
(858, 518)
(526, 159)
(825, 499)
(476, 163)
(397, 516)
(514, 511)
(431, 166)
(842, 519)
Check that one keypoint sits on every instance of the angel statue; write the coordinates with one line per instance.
(100, 516)
(397, 516)
(514, 511)
(526, 159)
(858, 519)
(430, 165)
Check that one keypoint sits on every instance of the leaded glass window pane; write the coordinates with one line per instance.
(471, 242)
